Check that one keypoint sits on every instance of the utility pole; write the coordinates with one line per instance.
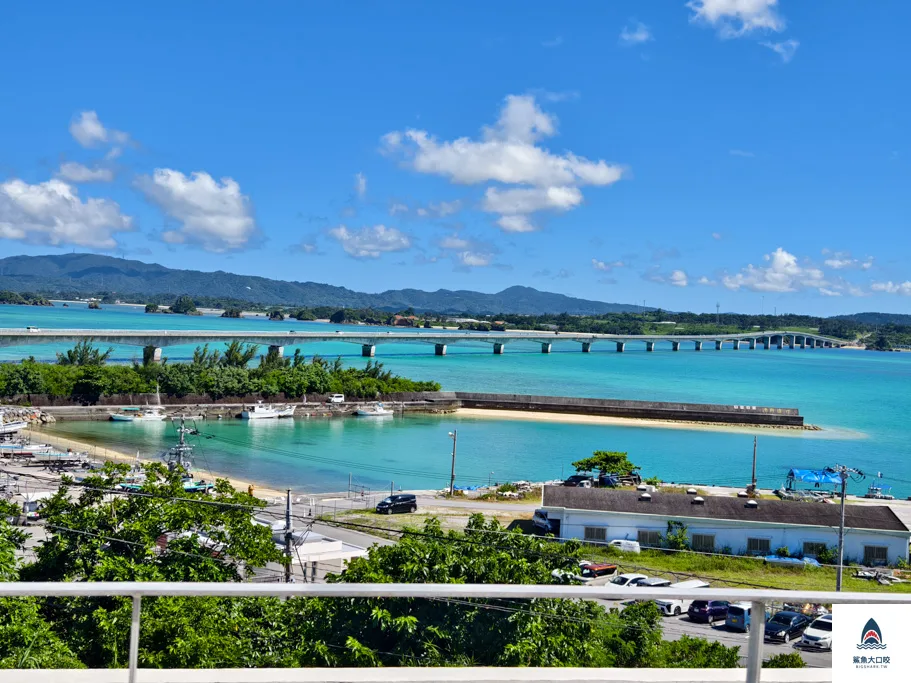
(753, 478)
(349, 484)
(454, 435)
(717, 312)
(843, 473)
(289, 536)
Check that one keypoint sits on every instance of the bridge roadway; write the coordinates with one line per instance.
(159, 339)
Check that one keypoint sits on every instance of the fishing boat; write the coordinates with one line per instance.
(177, 457)
(12, 427)
(879, 492)
(265, 411)
(147, 414)
(376, 410)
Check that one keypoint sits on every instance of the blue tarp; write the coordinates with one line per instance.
(815, 476)
(791, 561)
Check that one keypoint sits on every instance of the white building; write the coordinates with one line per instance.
(874, 535)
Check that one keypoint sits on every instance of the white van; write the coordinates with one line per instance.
(626, 546)
(673, 607)
(336, 398)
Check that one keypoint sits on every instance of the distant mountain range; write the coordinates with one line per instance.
(93, 273)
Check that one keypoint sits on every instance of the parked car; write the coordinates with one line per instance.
(402, 502)
(818, 634)
(738, 617)
(628, 579)
(591, 572)
(654, 582)
(336, 398)
(626, 546)
(542, 523)
(581, 480)
(674, 607)
(565, 576)
(708, 610)
(785, 626)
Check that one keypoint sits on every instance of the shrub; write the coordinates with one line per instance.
(790, 660)
(783, 551)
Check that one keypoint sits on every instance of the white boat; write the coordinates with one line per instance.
(376, 410)
(11, 427)
(265, 411)
(147, 414)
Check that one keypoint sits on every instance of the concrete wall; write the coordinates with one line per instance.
(732, 534)
(655, 410)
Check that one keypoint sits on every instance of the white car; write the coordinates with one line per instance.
(628, 579)
(674, 607)
(336, 398)
(626, 546)
(818, 634)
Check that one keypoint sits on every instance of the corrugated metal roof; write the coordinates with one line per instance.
(878, 517)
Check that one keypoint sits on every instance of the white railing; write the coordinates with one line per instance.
(136, 591)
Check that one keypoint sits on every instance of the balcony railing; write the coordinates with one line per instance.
(136, 591)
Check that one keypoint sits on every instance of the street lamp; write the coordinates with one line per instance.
(488, 478)
(454, 435)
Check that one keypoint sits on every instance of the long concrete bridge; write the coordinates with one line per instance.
(368, 340)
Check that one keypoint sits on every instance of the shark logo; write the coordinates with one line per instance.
(872, 637)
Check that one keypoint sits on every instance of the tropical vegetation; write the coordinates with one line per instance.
(82, 374)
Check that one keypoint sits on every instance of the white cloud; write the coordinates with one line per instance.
(735, 18)
(397, 208)
(51, 213)
(516, 223)
(473, 259)
(782, 274)
(306, 247)
(454, 242)
(525, 200)
(79, 173)
(360, 184)
(442, 209)
(903, 288)
(88, 131)
(370, 241)
(605, 266)
(716, 235)
(841, 260)
(508, 153)
(635, 33)
(707, 282)
(786, 49)
(825, 291)
(214, 215)
(679, 279)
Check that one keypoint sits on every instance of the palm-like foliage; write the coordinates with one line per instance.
(84, 353)
(237, 354)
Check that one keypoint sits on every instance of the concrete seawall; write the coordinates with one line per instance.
(446, 401)
(647, 410)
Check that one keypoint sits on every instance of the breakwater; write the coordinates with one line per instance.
(446, 401)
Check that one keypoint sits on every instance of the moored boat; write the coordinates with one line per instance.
(265, 411)
(376, 410)
(147, 414)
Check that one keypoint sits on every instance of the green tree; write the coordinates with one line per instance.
(237, 354)
(606, 462)
(676, 537)
(272, 360)
(27, 640)
(184, 304)
(339, 316)
(84, 353)
(785, 660)
(698, 653)
(203, 358)
(152, 308)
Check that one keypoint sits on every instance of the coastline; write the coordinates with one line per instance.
(115, 455)
(569, 418)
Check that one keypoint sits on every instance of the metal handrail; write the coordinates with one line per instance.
(138, 590)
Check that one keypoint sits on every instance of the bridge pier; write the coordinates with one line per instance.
(586, 347)
(368, 350)
(752, 343)
(698, 346)
(803, 342)
(675, 346)
(545, 347)
(439, 349)
(279, 350)
(621, 347)
(649, 346)
(779, 342)
(767, 343)
(498, 348)
(791, 343)
(718, 344)
(736, 345)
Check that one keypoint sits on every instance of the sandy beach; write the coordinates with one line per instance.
(539, 416)
(104, 453)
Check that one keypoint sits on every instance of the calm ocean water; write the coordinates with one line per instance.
(861, 399)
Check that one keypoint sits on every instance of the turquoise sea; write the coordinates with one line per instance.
(861, 399)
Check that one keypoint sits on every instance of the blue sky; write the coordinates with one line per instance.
(748, 152)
